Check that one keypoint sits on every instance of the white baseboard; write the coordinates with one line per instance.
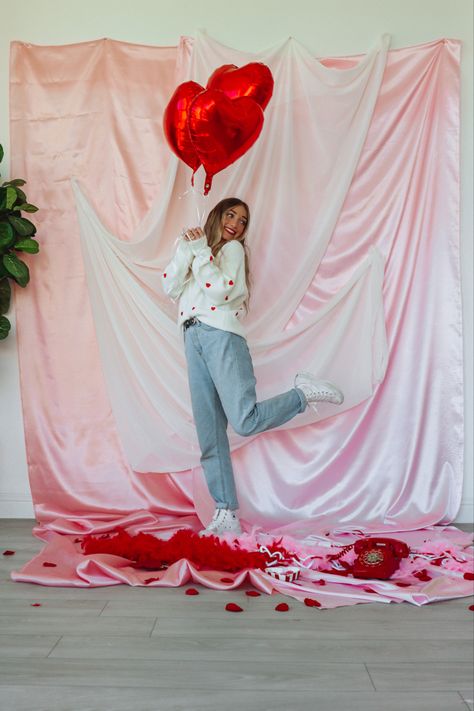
(14, 505)
(465, 513)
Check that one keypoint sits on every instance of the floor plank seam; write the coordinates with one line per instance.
(103, 607)
(153, 628)
(54, 646)
(465, 702)
(370, 677)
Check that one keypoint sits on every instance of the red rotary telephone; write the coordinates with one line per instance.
(378, 557)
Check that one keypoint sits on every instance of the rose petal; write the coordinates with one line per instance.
(370, 590)
(150, 580)
(8, 552)
(468, 576)
(192, 591)
(471, 607)
(227, 580)
(49, 565)
(252, 593)
(35, 604)
(403, 585)
(319, 582)
(232, 607)
(282, 607)
(311, 603)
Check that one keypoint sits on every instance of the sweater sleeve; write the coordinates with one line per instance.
(174, 274)
(224, 282)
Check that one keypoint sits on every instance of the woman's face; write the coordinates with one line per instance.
(234, 222)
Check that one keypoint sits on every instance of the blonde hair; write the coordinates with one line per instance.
(213, 232)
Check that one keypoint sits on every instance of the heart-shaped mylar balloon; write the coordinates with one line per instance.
(175, 123)
(253, 80)
(222, 129)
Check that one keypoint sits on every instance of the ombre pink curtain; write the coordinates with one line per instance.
(393, 461)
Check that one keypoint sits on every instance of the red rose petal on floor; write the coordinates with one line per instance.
(282, 607)
(311, 603)
(150, 580)
(227, 580)
(370, 590)
(422, 575)
(8, 552)
(78, 540)
(49, 565)
(252, 593)
(319, 582)
(468, 576)
(471, 607)
(192, 591)
(232, 607)
(403, 585)
(35, 604)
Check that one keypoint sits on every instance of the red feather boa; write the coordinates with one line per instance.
(152, 553)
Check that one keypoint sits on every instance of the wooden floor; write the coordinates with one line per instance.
(137, 649)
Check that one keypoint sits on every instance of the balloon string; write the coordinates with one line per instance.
(199, 213)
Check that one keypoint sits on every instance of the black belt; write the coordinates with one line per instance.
(189, 322)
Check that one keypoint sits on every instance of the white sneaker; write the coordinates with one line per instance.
(318, 390)
(223, 521)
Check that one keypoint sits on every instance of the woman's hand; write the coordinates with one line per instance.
(193, 233)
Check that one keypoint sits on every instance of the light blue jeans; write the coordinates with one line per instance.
(222, 385)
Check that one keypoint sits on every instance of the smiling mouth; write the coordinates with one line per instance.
(230, 231)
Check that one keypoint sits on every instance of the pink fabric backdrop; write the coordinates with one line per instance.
(393, 462)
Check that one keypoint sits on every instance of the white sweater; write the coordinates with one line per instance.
(212, 289)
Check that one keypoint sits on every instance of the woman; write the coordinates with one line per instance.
(209, 274)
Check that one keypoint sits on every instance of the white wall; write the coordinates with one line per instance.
(327, 29)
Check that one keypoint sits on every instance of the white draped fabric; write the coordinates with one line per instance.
(295, 179)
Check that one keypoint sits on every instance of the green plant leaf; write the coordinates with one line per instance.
(18, 269)
(27, 245)
(14, 183)
(5, 327)
(26, 207)
(11, 198)
(24, 227)
(7, 235)
(3, 198)
(5, 295)
(21, 195)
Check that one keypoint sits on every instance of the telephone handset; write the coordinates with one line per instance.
(378, 557)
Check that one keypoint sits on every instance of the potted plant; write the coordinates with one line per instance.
(16, 235)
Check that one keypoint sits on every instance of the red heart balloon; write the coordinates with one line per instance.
(175, 123)
(222, 129)
(253, 80)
